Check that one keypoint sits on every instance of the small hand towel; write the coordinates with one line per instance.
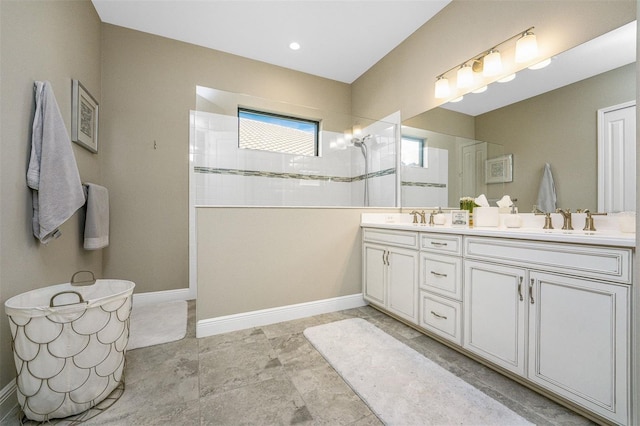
(53, 173)
(547, 191)
(96, 225)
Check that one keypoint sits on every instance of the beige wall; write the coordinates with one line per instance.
(251, 259)
(558, 127)
(149, 87)
(58, 42)
(404, 79)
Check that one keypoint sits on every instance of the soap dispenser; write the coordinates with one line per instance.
(439, 218)
(513, 220)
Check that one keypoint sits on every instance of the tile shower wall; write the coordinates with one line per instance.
(427, 186)
(225, 175)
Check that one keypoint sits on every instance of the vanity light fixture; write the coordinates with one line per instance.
(465, 76)
(489, 64)
(442, 87)
(526, 47)
(492, 64)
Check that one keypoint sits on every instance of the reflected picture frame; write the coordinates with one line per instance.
(84, 117)
(499, 169)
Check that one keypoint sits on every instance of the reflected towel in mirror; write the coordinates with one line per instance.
(547, 191)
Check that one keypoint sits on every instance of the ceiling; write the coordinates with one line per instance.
(340, 40)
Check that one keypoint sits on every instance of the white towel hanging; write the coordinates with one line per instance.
(53, 173)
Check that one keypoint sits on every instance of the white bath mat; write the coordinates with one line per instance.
(155, 324)
(399, 385)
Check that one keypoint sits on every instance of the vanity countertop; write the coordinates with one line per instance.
(607, 233)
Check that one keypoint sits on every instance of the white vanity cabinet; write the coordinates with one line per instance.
(441, 285)
(390, 271)
(575, 300)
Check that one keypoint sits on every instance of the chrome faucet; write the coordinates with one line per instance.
(566, 215)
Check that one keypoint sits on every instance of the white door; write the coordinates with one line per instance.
(472, 169)
(617, 158)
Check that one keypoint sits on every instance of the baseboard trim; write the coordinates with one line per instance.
(225, 324)
(8, 403)
(157, 297)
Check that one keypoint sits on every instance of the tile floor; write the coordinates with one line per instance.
(272, 376)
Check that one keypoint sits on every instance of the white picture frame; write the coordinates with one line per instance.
(499, 169)
(84, 117)
(460, 218)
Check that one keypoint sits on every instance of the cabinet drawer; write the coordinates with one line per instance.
(606, 263)
(441, 274)
(450, 244)
(441, 316)
(406, 239)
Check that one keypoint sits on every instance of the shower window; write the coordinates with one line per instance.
(412, 152)
(277, 133)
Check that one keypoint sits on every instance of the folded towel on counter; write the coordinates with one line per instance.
(96, 225)
(547, 191)
(53, 173)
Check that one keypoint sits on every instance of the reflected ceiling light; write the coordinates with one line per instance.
(442, 87)
(489, 64)
(465, 77)
(294, 45)
(480, 89)
(540, 64)
(526, 47)
(492, 64)
(458, 99)
(507, 78)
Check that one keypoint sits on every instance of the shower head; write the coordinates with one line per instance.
(360, 141)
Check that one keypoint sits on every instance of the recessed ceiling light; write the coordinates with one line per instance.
(294, 46)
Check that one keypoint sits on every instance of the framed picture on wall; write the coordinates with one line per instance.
(84, 117)
(499, 169)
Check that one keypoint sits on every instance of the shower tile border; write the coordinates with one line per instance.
(281, 175)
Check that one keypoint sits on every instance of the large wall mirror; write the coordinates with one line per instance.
(544, 116)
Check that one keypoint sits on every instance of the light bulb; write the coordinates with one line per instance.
(442, 88)
(526, 47)
(465, 77)
(492, 64)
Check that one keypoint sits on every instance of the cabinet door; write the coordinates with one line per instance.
(403, 283)
(373, 273)
(494, 314)
(578, 341)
